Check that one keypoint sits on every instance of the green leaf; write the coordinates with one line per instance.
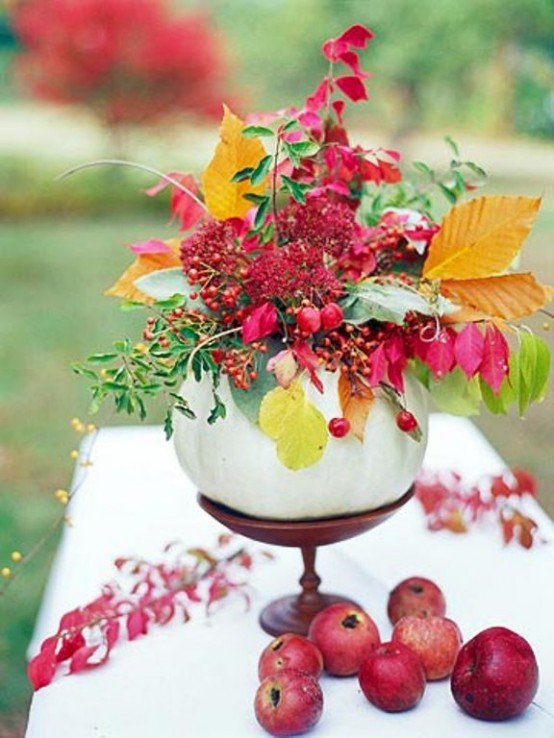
(168, 424)
(500, 403)
(249, 401)
(257, 131)
(242, 174)
(305, 148)
(453, 145)
(296, 189)
(129, 305)
(82, 371)
(218, 410)
(260, 172)
(256, 199)
(534, 369)
(420, 166)
(101, 358)
(261, 214)
(456, 394)
(164, 283)
(171, 303)
(386, 303)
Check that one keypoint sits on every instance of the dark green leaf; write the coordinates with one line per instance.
(242, 174)
(260, 172)
(261, 214)
(256, 199)
(218, 410)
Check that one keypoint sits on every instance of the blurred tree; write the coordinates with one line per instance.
(448, 63)
(128, 61)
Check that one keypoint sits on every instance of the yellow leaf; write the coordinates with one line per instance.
(300, 430)
(507, 297)
(144, 264)
(224, 199)
(480, 238)
(356, 399)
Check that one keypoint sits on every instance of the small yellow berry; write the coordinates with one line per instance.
(546, 326)
(142, 347)
(6, 572)
(74, 454)
(62, 496)
(75, 422)
(103, 372)
(16, 556)
(91, 428)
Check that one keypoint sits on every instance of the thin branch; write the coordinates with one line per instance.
(134, 165)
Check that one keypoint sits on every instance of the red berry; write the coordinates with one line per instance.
(331, 316)
(308, 320)
(339, 427)
(406, 421)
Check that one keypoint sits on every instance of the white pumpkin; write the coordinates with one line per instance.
(234, 463)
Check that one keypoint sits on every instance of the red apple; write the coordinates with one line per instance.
(290, 651)
(495, 675)
(436, 640)
(288, 702)
(415, 596)
(392, 677)
(345, 634)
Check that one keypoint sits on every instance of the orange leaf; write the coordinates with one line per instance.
(224, 199)
(480, 238)
(356, 399)
(144, 264)
(507, 297)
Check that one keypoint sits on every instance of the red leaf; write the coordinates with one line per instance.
(262, 321)
(137, 624)
(72, 619)
(70, 643)
(525, 482)
(82, 659)
(318, 98)
(378, 365)
(352, 87)
(152, 246)
(357, 36)
(111, 633)
(308, 359)
(42, 667)
(494, 366)
(440, 354)
(468, 349)
(338, 106)
(351, 59)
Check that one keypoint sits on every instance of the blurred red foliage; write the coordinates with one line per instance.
(129, 61)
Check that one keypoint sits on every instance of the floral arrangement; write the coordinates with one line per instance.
(302, 254)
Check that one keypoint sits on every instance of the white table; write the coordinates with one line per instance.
(198, 680)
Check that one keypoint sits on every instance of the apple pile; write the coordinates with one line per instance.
(494, 676)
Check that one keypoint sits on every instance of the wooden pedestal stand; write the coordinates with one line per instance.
(294, 613)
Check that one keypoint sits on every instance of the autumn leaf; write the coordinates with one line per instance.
(480, 238)
(508, 297)
(356, 399)
(144, 264)
(234, 152)
(300, 430)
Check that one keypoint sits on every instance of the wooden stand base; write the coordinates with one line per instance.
(294, 613)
